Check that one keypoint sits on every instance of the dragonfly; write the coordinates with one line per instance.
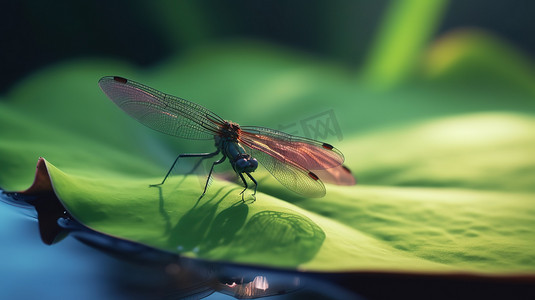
(290, 159)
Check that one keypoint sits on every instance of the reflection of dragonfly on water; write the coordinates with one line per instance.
(288, 158)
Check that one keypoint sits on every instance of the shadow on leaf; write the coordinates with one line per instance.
(282, 238)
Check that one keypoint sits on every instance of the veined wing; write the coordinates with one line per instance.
(292, 176)
(306, 153)
(340, 175)
(160, 111)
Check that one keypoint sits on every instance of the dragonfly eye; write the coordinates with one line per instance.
(241, 164)
(253, 163)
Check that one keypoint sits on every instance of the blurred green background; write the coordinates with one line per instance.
(349, 34)
(371, 66)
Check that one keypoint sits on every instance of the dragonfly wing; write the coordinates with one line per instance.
(160, 111)
(340, 175)
(292, 176)
(307, 153)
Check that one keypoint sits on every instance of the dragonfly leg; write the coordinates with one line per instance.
(203, 155)
(217, 162)
(244, 184)
(255, 184)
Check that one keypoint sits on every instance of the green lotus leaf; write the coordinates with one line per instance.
(443, 188)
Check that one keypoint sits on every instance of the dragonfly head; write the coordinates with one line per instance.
(244, 163)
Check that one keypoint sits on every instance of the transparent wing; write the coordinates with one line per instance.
(340, 175)
(292, 176)
(160, 111)
(307, 153)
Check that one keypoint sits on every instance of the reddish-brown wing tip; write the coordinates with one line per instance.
(328, 146)
(313, 176)
(120, 79)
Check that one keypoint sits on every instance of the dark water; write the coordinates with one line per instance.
(32, 270)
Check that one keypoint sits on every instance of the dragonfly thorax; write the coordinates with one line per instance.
(240, 160)
(230, 131)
